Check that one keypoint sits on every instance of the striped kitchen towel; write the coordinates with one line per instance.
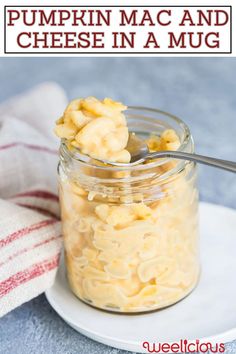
(30, 236)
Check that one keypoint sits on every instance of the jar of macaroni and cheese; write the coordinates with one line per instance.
(131, 233)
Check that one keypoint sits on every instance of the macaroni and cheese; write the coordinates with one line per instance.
(123, 251)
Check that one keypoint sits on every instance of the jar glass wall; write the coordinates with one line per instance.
(131, 234)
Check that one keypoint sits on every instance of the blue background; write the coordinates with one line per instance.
(201, 91)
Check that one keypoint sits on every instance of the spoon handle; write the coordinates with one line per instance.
(211, 161)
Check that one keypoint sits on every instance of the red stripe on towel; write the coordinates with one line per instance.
(38, 194)
(40, 210)
(24, 250)
(30, 146)
(28, 274)
(26, 230)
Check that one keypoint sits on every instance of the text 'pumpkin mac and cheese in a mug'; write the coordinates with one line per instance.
(130, 233)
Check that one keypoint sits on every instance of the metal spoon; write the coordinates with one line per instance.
(140, 153)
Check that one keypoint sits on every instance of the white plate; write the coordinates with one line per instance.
(208, 314)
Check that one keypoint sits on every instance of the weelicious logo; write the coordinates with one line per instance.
(184, 346)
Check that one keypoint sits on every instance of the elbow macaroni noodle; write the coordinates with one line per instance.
(97, 128)
(134, 255)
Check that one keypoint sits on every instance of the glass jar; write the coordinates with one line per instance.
(131, 234)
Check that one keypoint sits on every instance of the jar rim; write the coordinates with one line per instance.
(140, 167)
